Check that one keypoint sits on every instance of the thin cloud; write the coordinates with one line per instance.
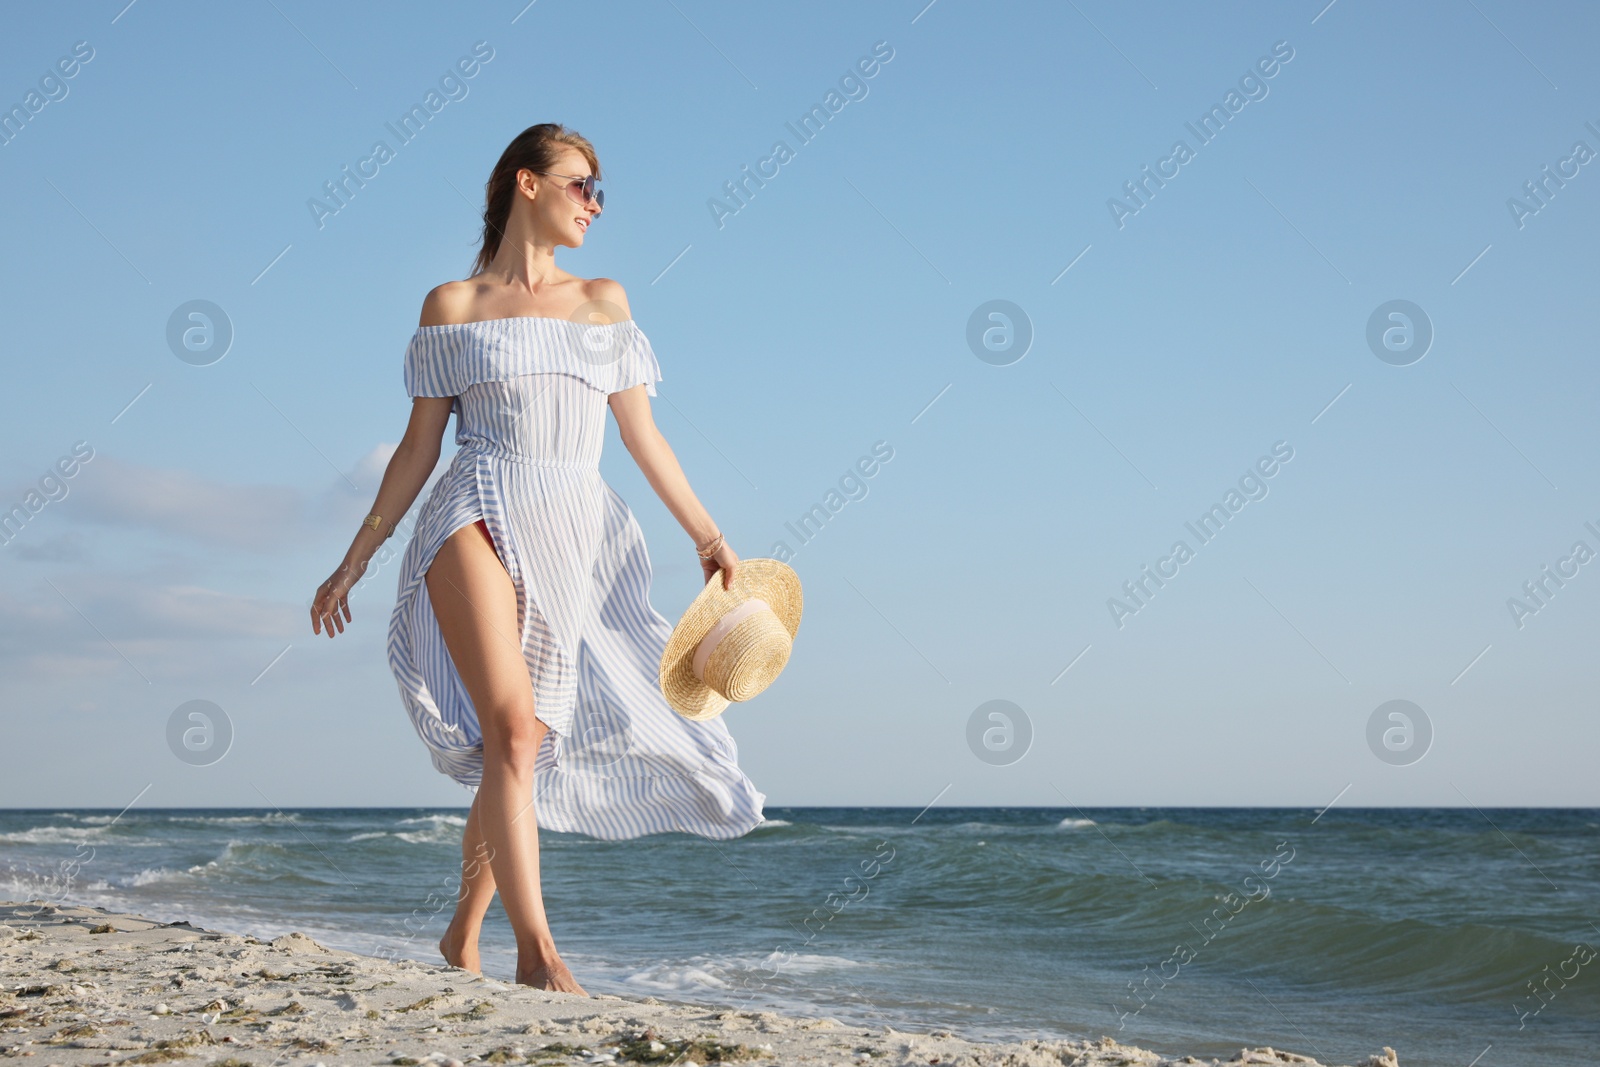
(182, 504)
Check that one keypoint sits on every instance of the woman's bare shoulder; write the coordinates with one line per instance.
(606, 295)
(447, 304)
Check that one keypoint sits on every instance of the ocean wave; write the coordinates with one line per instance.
(239, 861)
(230, 853)
(23, 885)
(252, 855)
(237, 820)
(1012, 827)
(1463, 960)
(676, 978)
(54, 835)
(438, 835)
(368, 837)
(700, 974)
(437, 829)
(799, 962)
(764, 823)
(847, 830)
(77, 816)
(457, 821)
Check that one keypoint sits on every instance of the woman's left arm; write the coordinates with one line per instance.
(656, 459)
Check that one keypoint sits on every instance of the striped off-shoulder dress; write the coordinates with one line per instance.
(530, 410)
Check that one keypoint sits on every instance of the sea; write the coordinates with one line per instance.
(1457, 936)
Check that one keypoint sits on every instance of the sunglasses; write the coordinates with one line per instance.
(582, 189)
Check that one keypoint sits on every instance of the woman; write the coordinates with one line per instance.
(522, 639)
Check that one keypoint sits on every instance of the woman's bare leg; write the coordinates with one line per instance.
(476, 606)
(459, 945)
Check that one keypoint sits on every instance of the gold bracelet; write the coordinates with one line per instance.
(712, 546)
(373, 520)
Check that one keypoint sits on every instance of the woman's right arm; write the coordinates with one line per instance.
(409, 467)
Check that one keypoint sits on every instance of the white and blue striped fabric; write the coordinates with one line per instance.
(530, 408)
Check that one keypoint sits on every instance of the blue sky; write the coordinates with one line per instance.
(1174, 342)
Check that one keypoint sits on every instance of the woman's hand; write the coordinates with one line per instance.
(725, 558)
(332, 596)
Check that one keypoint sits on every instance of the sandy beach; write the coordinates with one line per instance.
(88, 986)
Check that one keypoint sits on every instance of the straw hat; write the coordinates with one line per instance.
(731, 643)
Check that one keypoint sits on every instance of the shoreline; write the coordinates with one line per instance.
(85, 985)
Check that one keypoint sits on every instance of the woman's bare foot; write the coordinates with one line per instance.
(459, 950)
(549, 973)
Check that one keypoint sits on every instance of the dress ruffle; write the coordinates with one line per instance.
(444, 360)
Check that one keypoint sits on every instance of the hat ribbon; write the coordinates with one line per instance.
(723, 627)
